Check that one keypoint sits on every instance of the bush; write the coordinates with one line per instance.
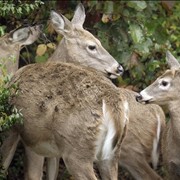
(9, 115)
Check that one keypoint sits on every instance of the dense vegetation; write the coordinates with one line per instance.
(136, 33)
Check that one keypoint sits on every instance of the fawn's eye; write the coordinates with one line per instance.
(91, 47)
(164, 83)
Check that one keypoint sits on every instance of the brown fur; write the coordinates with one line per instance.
(138, 144)
(165, 91)
(62, 105)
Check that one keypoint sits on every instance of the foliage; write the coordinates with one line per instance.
(17, 9)
(9, 115)
(138, 33)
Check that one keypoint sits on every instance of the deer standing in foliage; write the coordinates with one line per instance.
(10, 46)
(137, 153)
(147, 148)
(166, 91)
(80, 47)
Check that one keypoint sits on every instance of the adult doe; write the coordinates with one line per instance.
(146, 139)
(143, 134)
(10, 46)
(79, 117)
(166, 91)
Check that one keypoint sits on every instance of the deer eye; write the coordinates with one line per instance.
(91, 47)
(164, 83)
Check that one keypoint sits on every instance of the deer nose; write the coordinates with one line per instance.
(120, 70)
(138, 98)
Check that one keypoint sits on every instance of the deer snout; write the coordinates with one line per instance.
(139, 98)
(114, 71)
(120, 70)
(144, 99)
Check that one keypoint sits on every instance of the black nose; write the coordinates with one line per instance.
(138, 98)
(120, 70)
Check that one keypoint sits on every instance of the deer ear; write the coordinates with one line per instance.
(172, 61)
(20, 34)
(60, 23)
(79, 16)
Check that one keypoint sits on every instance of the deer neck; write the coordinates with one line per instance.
(174, 110)
(61, 52)
(10, 56)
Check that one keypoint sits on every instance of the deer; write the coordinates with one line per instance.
(78, 46)
(146, 149)
(165, 91)
(79, 117)
(142, 142)
(134, 147)
(91, 53)
(11, 44)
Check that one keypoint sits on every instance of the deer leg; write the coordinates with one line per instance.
(52, 168)
(174, 170)
(79, 168)
(108, 169)
(140, 169)
(33, 165)
(9, 147)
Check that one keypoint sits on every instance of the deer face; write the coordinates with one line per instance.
(11, 44)
(166, 88)
(81, 46)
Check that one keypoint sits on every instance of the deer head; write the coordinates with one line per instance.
(80, 46)
(166, 88)
(11, 44)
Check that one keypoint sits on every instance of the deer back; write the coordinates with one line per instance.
(72, 101)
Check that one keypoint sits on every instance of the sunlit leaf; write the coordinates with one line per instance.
(136, 33)
(106, 18)
(108, 7)
(51, 45)
(41, 49)
(138, 5)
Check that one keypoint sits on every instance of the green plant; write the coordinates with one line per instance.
(9, 115)
(137, 34)
(16, 10)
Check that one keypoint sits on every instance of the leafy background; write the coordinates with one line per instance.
(136, 33)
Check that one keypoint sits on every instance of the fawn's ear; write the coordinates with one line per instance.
(60, 23)
(19, 34)
(172, 61)
(79, 16)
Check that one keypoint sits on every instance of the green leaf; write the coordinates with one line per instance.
(138, 5)
(108, 7)
(136, 33)
(40, 59)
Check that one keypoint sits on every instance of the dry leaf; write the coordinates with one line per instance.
(51, 45)
(41, 49)
(106, 18)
